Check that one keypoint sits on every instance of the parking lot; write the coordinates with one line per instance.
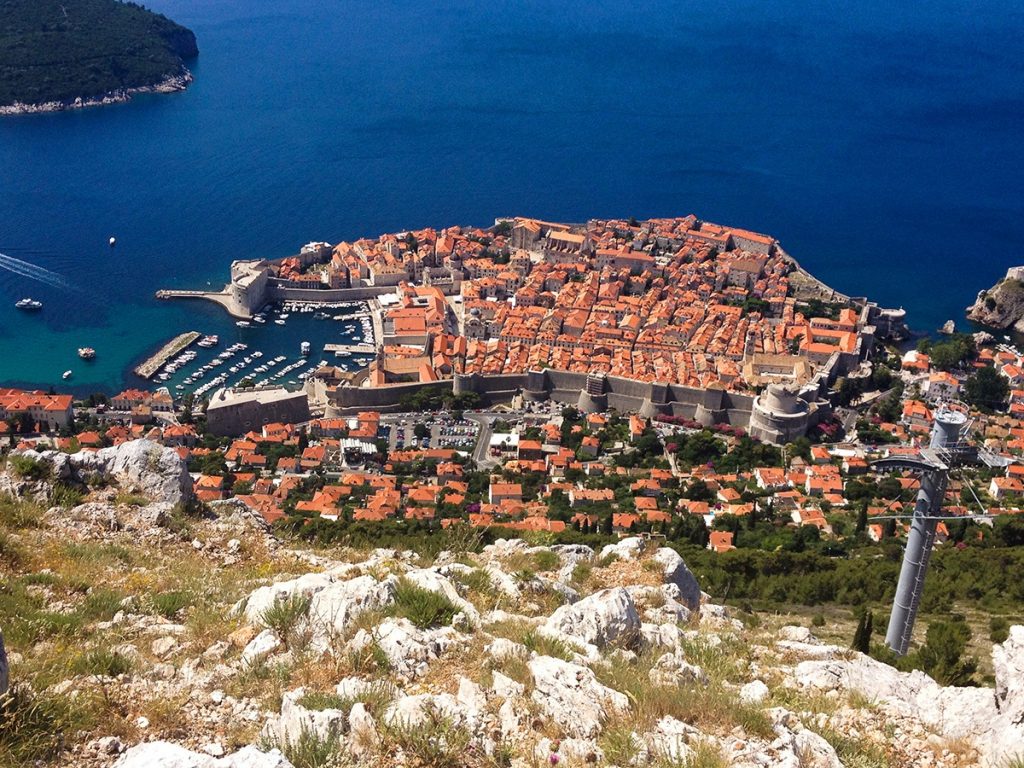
(432, 431)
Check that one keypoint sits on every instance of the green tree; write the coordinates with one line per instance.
(942, 655)
(986, 389)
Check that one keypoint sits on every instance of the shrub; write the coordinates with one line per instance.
(283, 616)
(170, 604)
(28, 468)
(434, 742)
(321, 700)
(308, 750)
(999, 629)
(423, 607)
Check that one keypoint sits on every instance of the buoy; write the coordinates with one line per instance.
(113, 241)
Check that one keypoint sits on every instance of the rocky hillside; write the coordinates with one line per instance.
(1002, 306)
(143, 633)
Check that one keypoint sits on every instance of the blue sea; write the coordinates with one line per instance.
(882, 143)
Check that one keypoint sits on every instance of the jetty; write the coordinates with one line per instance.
(351, 349)
(165, 353)
(222, 297)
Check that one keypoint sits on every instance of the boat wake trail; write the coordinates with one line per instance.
(32, 271)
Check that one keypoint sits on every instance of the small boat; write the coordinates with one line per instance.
(86, 353)
(279, 322)
(304, 348)
(28, 304)
(66, 375)
(112, 241)
(321, 316)
(243, 323)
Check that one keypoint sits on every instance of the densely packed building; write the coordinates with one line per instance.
(678, 300)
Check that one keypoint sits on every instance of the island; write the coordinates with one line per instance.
(66, 54)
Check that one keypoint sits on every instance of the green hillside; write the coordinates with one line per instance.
(59, 50)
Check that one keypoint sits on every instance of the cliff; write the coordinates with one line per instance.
(1001, 306)
(61, 54)
(141, 634)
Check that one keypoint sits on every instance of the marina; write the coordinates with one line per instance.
(284, 349)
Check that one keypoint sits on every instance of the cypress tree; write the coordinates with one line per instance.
(862, 636)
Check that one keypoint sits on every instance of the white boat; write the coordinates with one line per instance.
(86, 353)
(279, 322)
(66, 375)
(112, 241)
(28, 304)
(304, 348)
(243, 323)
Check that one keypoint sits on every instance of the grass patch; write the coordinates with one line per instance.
(713, 708)
(308, 750)
(130, 500)
(31, 728)
(101, 604)
(102, 663)
(66, 496)
(855, 753)
(546, 645)
(17, 514)
(170, 604)
(423, 607)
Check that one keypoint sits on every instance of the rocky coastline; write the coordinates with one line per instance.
(171, 84)
(1001, 306)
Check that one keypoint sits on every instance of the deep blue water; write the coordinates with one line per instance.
(881, 142)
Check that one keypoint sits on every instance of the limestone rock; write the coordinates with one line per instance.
(334, 608)
(161, 754)
(362, 728)
(571, 696)
(674, 571)
(409, 650)
(754, 692)
(1008, 663)
(295, 719)
(624, 549)
(149, 468)
(605, 617)
(261, 646)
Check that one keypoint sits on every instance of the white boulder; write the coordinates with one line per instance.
(605, 617)
(162, 754)
(570, 695)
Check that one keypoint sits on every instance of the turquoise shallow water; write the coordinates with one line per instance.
(881, 144)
